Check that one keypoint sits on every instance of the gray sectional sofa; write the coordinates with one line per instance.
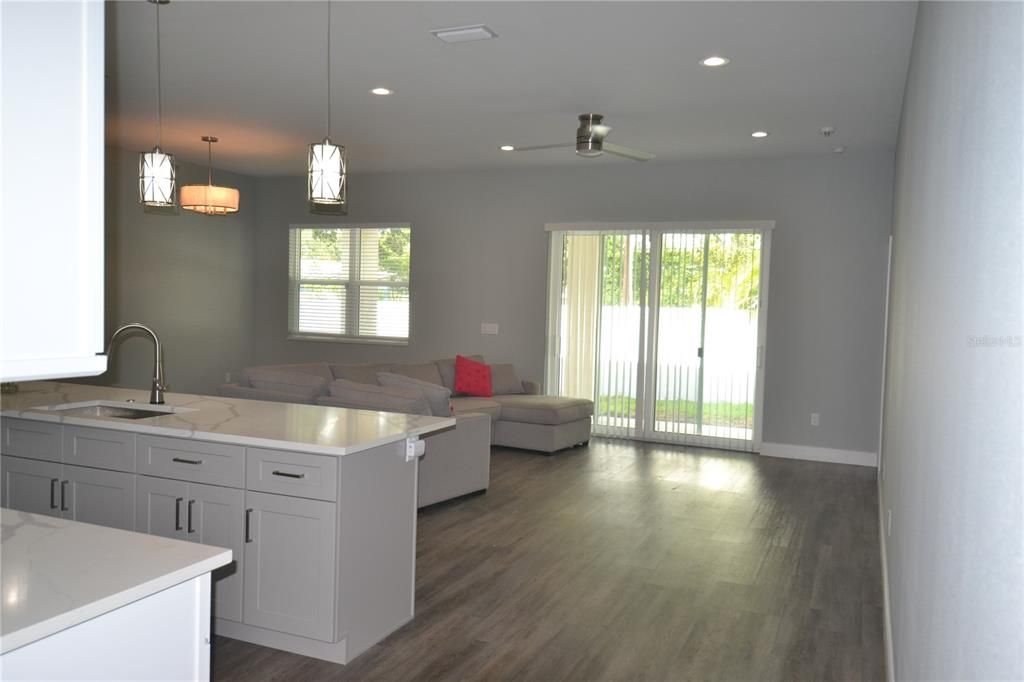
(457, 461)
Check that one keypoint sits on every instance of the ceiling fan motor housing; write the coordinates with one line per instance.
(587, 142)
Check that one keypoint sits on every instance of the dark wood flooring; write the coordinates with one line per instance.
(625, 561)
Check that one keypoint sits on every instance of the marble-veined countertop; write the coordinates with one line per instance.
(285, 426)
(56, 573)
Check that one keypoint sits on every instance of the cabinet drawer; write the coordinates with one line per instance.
(32, 439)
(292, 473)
(100, 448)
(190, 460)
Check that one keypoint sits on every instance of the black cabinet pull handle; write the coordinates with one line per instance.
(287, 474)
(53, 492)
(182, 460)
(190, 528)
(63, 496)
(248, 515)
(177, 513)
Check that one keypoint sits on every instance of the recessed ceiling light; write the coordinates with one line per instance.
(840, 149)
(759, 133)
(507, 148)
(464, 34)
(382, 91)
(715, 60)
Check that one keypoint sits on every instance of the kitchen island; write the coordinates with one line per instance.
(317, 504)
(86, 602)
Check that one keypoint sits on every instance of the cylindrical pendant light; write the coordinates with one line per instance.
(156, 169)
(209, 199)
(327, 168)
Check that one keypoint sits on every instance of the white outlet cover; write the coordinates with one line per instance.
(815, 419)
(489, 328)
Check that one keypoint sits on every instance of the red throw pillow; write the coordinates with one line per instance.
(472, 377)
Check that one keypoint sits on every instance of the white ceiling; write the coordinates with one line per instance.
(253, 73)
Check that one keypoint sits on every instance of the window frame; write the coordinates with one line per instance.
(352, 285)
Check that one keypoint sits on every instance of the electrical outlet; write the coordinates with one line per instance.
(488, 327)
(227, 377)
(815, 419)
(888, 523)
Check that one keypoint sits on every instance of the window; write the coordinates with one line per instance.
(349, 283)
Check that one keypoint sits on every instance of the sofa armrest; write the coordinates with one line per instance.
(531, 387)
(250, 393)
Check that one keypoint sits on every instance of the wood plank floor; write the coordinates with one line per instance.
(625, 561)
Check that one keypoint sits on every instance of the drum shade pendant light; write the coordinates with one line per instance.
(327, 182)
(209, 199)
(156, 169)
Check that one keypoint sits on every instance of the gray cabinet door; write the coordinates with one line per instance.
(30, 485)
(161, 507)
(218, 518)
(106, 498)
(290, 565)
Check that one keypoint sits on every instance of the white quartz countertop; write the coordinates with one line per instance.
(285, 426)
(56, 573)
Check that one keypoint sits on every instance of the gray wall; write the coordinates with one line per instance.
(480, 255)
(188, 276)
(952, 448)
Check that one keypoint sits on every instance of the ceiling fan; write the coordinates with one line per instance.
(590, 141)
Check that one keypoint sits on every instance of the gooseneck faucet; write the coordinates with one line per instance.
(156, 392)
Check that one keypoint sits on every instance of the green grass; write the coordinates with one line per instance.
(740, 415)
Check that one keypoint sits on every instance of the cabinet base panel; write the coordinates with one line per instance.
(336, 652)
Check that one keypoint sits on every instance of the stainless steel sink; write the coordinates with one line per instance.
(116, 412)
(115, 409)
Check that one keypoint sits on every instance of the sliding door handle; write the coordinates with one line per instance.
(248, 525)
(177, 512)
(190, 529)
(53, 492)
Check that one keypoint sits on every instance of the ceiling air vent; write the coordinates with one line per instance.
(464, 34)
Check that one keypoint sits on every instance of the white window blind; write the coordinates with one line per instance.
(349, 283)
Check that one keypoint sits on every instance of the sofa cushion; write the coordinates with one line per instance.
(462, 405)
(438, 397)
(345, 393)
(300, 384)
(543, 409)
(446, 368)
(472, 377)
(426, 372)
(320, 369)
(505, 381)
(363, 374)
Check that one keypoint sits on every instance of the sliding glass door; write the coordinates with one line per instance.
(662, 328)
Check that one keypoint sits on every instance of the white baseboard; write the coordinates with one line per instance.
(787, 451)
(890, 663)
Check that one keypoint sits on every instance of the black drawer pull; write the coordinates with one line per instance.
(53, 492)
(63, 496)
(182, 460)
(177, 512)
(288, 475)
(190, 529)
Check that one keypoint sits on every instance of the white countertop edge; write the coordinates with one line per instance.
(63, 621)
(135, 427)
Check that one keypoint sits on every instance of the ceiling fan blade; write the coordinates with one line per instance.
(600, 131)
(542, 146)
(628, 153)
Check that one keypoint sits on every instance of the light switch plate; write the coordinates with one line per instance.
(488, 327)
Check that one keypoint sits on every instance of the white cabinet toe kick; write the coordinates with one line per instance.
(324, 546)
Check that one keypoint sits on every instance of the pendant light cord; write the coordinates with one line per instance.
(328, 69)
(159, 84)
(209, 161)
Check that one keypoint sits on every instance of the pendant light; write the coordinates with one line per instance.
(327, 182)
(156, 169)
(209, 199)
